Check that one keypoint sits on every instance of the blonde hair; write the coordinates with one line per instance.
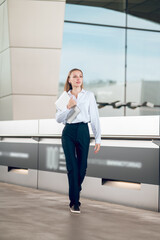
(67, 85)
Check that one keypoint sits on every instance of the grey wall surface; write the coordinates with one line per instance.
(46, 167)
(31, 155)
(112, 163)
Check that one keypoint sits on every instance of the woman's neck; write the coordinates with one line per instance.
(75, 91)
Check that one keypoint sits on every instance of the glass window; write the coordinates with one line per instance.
(143, 71)
(109, 14)
(144, 14)
(100, 53)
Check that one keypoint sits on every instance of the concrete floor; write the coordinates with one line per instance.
(27, 214)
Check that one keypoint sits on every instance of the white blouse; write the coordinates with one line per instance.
(88, 112)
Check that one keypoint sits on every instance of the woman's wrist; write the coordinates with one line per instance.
(68, 107)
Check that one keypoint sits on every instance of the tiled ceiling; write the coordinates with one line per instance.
(146, 9)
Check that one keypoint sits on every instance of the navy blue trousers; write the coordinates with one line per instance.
(75, 143)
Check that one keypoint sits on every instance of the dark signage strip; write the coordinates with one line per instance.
(139, 165)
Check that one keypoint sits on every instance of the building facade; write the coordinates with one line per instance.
(116, 43)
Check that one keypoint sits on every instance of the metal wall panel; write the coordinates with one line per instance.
(133, 164)
(28, 180)
(20, 154)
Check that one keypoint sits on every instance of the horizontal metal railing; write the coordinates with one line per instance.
(117, 137)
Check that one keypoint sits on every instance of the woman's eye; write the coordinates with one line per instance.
(77, 76)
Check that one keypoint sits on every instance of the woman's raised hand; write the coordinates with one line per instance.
(71, 103)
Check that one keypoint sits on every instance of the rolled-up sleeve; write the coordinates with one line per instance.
(61, 115)
(94, 116)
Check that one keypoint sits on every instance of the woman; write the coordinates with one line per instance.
(75, 135)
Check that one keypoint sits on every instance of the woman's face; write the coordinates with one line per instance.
(76, 79)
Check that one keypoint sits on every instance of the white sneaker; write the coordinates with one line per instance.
(75, 209)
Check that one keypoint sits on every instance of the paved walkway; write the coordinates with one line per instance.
(31, 214)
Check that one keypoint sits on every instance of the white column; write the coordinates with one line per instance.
(30, 50)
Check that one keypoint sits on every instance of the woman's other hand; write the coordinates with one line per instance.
(96, 148)
(71, 103)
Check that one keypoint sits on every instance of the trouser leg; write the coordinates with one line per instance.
(82, 148)
(72, 168)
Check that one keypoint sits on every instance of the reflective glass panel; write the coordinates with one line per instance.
(100, 53)
(109, 14)
(143, 72)
(144, 14)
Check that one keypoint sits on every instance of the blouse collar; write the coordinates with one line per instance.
(82, 91)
